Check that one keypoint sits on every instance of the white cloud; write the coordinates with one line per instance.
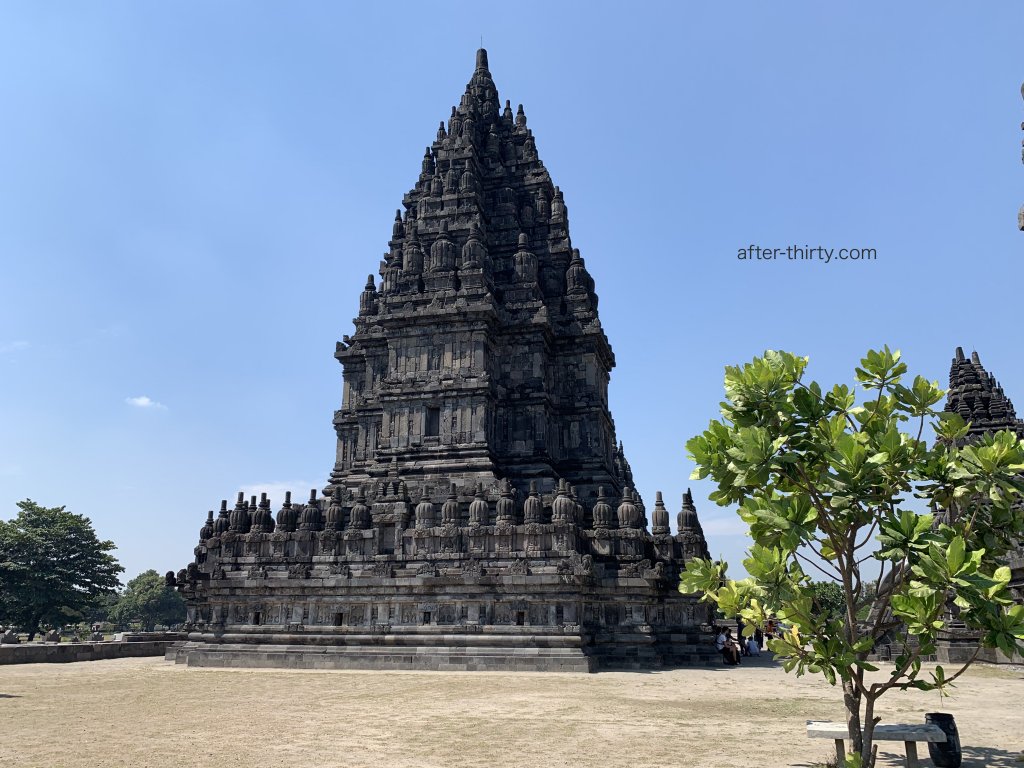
(13, 346)
(275, 490)
(144, 402)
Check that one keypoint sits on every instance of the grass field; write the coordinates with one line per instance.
(148, 713)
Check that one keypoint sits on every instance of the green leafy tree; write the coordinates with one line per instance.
(148, 600)
(53, 568)
(823, 479)
(828, 597)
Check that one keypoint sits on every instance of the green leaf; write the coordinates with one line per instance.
(955, 554)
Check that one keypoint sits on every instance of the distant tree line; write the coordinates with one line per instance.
(55, 571)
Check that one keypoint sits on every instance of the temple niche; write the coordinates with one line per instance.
(480, 512)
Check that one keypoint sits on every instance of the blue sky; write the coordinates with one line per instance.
(192, 195)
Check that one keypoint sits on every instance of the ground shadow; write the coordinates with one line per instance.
(9, 696)
(974, 757)
(762, 661)
(715, 664)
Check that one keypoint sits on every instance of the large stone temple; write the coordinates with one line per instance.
(480, 513)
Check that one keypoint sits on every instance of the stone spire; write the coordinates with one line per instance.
(480, 292)
(425, 511)
(533, 509)
(310, 519)
(207, 530)
(659, 517)
(287, 516)
(334, 519)
(262, 521)
(239, 519)
(978, 398)
(359, 516)
(604, 516)
(223, 521)
(687, 519)
(479, 511)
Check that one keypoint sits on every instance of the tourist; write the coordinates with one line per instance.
(727, 646)
(753, 647)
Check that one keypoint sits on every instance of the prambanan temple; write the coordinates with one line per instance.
(480, 513)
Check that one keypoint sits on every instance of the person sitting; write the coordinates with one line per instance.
(727, 647)
(753, 647)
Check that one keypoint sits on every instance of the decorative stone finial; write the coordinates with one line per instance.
(207, 530)
(262, 520)
(359, 515)
(240, 519)
(479, 511)
(520, 117)
(629, 514)
(223, 521)
(563, 509)
(533, 507)
(687, 519)
(450, 508)
(334, 520)
(659, 518)
(604, 516)
(481, 59)
(525, 262)
(311, 519)
(368, 298)
(287, 516)
(506, 507)
(424, 510)
(474, 252)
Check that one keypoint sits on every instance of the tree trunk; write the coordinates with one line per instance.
(851, 698)
(868, 756)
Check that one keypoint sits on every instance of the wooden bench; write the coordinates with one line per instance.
(909, 734)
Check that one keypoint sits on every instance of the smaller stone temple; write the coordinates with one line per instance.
(977, 396)
(480, 512)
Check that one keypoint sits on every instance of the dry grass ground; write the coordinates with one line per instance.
(147, 713)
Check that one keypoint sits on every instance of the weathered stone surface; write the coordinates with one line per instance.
(480, 512)
(49, 653)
